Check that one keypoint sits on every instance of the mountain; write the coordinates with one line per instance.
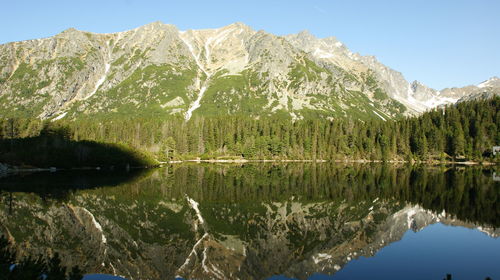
(158, 71)
(416, 96)
(484, 90)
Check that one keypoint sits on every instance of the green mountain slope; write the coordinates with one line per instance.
(159, 71)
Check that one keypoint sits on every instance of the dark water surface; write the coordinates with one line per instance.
(260, 221)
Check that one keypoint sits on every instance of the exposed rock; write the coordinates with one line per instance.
(232, 70)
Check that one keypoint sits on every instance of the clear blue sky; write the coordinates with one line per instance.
(441, 43)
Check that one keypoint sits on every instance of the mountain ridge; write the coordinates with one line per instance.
(159, 70)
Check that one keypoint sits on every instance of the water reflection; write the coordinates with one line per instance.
(431, 253)
(247, 221)
(59, 185)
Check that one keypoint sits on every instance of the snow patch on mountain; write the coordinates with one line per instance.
(491, 82)
(196, 104)
(437, 100)
(379, 116)
(322, 54)
(60, 116)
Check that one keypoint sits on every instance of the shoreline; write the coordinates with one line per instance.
(8, 169)
(466, 163)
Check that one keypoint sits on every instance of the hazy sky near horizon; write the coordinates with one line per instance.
(441, 43)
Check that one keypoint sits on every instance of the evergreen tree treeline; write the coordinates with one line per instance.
(465, 130)
(53, 146)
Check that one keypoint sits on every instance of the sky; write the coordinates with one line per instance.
(441, 43)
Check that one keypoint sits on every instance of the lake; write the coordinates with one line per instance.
(262, 221)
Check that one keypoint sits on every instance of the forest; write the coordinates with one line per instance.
(464, 131)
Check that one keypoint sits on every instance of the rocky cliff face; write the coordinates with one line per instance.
(415, 96)
(157, 70)
(484, 90)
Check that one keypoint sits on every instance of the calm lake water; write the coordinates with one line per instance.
(262, 221)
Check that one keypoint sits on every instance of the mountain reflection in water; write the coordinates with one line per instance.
(251, 221)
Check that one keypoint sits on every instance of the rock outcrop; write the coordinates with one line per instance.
(158, 70)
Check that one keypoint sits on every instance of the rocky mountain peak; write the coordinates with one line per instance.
(306, 35)
(240, 25)
(491, 82)
(70, 33)
(70, 30)
(154, 25)
(157, 26)
(157, 67)
(417, 86)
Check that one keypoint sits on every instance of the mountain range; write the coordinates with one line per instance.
(158, 71)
